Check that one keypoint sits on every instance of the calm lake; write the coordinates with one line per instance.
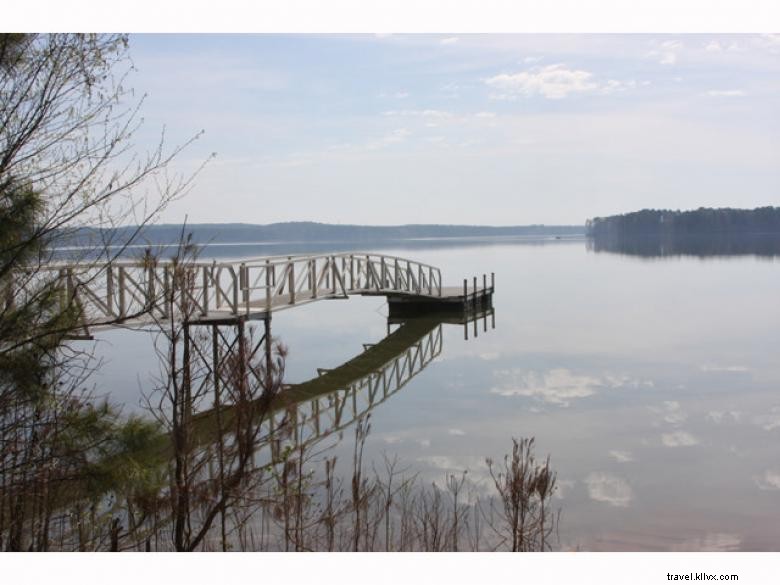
(652, 383)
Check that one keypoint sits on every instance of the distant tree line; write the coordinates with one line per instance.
(668, 223)
(304, 231)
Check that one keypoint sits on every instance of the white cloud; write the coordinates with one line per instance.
(456, 432)
(532, 59)
(553, 82)
(396, 136)
(398, 95)
(621, 456)
(608, 488)
(770, 42)
(769, 481)
(713, 47)
(726, 93)
(449, 41)
(485, 115)
(614, 86)
(418, 113)
(679, 439)
(666, 53)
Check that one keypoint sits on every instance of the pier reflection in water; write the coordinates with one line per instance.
(291, 442)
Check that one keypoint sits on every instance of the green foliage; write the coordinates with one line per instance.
(60, 133)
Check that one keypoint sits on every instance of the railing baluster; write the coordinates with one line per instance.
(205, 307)
(166, 292)
(313, 278)
(242, 284)
(122, 293)
(291, 279)
(268, 286)
(110, 289)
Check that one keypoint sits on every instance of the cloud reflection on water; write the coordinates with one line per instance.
(559, 386)
(610, 489)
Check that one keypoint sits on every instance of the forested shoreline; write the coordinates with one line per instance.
(669, 223)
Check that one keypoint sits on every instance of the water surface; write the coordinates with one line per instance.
(654, 386)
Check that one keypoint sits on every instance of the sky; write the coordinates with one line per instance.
(461, 128)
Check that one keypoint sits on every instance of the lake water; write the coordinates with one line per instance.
(652, 383)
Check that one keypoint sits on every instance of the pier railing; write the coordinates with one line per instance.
(147, 290)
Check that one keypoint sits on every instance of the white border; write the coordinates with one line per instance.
(386, 16)
(385, 568)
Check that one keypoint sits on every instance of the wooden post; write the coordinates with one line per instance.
(465, 309)
(313, 272)
(333, 271)
(291, 279)
(205, 307)
(268, 355)
(150, 284)
(122, 294)
(110, 289)
(215, 275)
(71, 289)
(326, 270)
(166, 291)
(492, 281)
(243, 286)
(268, 286)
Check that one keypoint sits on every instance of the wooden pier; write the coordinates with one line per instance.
(138, 293)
